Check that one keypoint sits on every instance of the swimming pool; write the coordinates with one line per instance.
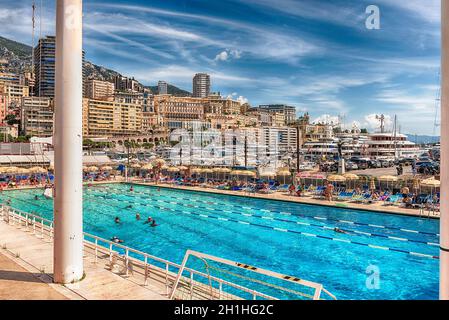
(285, 237)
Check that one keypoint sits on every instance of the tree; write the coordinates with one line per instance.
(11, 120)
(363, 130)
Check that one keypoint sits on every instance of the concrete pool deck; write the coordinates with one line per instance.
(26, 268)
(281, 196)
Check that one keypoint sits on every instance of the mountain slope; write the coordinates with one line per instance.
(171, 90)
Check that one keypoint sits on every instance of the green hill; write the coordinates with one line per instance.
(171, 90)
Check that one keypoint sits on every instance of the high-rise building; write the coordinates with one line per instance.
(99, 90)
(37, 116)
(162, 87)
(201, 85)
(288, 111)
(44, 67)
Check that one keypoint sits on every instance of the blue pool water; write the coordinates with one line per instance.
(253, 231)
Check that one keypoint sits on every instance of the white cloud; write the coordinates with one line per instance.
(327, 119)
(222, 56)
(228, 55)
(242, 100)
(371, 122)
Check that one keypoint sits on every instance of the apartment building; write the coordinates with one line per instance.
(111, 118)
(99, 90)
(37, 116)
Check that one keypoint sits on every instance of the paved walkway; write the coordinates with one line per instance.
(17, 283)
(27, 260)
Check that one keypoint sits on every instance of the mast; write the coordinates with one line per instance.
(395, 137)
(444, 175)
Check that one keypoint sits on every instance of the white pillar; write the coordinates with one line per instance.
(68, 201)
(444, 176)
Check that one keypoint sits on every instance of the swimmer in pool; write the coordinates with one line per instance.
(154, 224)
(137, 216)
(149, 220)
(117, 220)
(338, 230)
(36, 197)
(116, 239)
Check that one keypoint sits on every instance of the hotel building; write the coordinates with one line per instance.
(177, 110)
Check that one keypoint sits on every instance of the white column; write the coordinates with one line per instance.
(444, 216)
(68, 201)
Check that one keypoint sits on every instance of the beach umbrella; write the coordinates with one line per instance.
(432, 183)
(224, 171)
(106, 168)
(173, 169)
(165, 167)
(268, 174)
(372, 184)
(147, 167)
(136, 166)
(247, 173)
(182, 168)
(22, 171)
(351, 177)
(92, 169)
(158, 162)
(283, 173)
(207, 171)
(416, 184)
(388, 179)
(38, 170)
(85, 168)
(12, 169)
(336, 178)
(196, 170)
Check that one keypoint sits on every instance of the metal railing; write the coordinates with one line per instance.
(43, 227)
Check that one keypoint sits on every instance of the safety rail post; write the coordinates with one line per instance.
(166, 278)
(191, 285)
(146, 271)
(126, 261)
(220, 289)
(110, 257)
(254, 295)
(96, 249)
(42, 229)
(34, 225)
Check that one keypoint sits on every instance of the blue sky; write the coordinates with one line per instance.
(314, 54)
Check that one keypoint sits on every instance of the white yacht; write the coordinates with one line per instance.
(390, 146)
